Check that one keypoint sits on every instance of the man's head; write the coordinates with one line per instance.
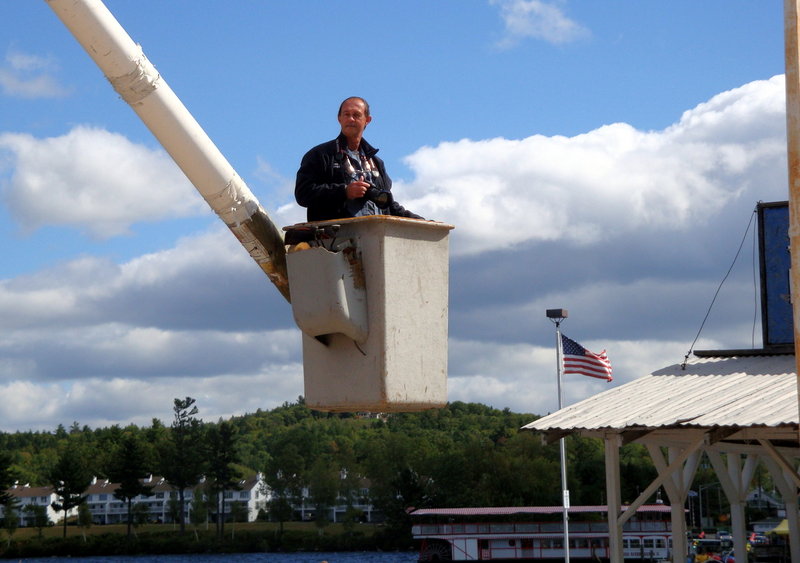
(354, 117)
(351, 98)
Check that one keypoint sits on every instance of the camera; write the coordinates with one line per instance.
(382, 198)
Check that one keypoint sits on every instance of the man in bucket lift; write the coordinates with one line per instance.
(343, 177)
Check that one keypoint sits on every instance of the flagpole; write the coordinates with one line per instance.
(556, 316)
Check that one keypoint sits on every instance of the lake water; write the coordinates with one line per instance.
(344, 557)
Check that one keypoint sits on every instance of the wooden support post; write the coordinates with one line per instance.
(612, 444)
(735, 481)
(786, 481)
(791, 11)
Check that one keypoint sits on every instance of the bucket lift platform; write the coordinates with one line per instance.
(370, 296)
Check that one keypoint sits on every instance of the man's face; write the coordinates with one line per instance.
(353, 119)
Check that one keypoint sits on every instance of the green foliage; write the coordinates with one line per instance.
(130, 463)
(221, 471)
(70, 478)
(239, 512)
(181, 457)
(84, 518)
(173, 507)
(199, 510)
(7, 478)
(465, 454)
(636, 471)
(112, 546)
(40, 518)
(141, 515)
(284, 478)
(11, 519)
(323, 488)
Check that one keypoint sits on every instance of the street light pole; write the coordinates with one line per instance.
(700, 503)
(691, 496)
(700, 489)
(556, 316)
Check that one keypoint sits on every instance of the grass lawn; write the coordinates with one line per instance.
(57, 530)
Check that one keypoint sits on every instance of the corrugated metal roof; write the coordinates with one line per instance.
(734, 392)
(506, 510)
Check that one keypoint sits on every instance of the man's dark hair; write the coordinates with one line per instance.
(366, 105)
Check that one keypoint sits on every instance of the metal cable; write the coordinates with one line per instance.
(708, 312)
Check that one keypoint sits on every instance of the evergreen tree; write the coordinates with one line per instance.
(70, 478)
(40, 518)
(221, 442)
(407, 489)
(11, 518)
(7, 478)
(323, 488)
(84, 518)
(350, 492)
(239, 513)
(129, 465)
(284, 483)
(141, 514)
(181, 454)
(173, 507)
(199, 512)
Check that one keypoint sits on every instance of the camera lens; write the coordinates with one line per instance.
(381, 198)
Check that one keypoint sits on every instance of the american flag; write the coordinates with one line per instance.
(580, 361)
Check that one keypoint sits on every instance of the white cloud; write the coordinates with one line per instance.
(536, 19)
(630, 230)
(104, 344)
(100, 402)
(524, 378)
(29, 398)
(613, 180)
(205, 281)
(97, 181)
(29, 76)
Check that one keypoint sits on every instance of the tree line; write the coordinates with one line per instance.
(465, 454)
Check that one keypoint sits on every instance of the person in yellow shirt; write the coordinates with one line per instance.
(701, 556)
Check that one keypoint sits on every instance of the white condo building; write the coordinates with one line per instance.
(243, 502)
(249, 497)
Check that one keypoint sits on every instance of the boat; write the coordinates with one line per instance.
(536, 533)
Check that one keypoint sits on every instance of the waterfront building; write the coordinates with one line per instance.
(360, 502)
(34, 496)
(245, 500)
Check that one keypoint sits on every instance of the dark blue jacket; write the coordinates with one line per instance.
(322, 180)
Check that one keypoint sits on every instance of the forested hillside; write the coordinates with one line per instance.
(460, 455)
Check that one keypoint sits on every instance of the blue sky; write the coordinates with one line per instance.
(602, 157)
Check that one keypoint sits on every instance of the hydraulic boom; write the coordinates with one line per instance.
(141, 86)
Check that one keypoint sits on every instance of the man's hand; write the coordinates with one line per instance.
(356, 189)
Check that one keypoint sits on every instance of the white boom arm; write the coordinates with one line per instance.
(138, 83)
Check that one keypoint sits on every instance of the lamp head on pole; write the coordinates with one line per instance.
(557, 315)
